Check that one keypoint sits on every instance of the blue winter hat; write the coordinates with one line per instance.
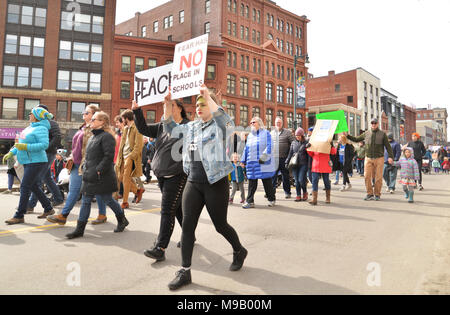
(41, 113)
(310, 128)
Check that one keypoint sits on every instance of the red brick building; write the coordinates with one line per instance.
(133, 54)
(410, 123)
(260, 41)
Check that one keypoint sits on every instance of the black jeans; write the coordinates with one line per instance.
(215, 197)
(346, 179)
(419, 163)
(172, 192)
(268, 188)
(286, 177)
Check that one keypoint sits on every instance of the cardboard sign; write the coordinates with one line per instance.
(152, 85)
(337, 115)
(189, 66)
(322, 136)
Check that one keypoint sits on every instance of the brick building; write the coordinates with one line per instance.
(134, 54)
(261, 41)
(410, 124)
(52, 56)
(439, 115)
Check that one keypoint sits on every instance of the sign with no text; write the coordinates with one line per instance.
(152, 85)
(189, 64)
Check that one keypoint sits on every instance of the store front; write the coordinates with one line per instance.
(7, 138)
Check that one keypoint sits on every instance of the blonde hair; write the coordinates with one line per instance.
(102, 116)
(344, 139)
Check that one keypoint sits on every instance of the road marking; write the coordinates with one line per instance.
(70, 223)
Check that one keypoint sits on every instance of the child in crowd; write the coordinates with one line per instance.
(446, 165)
(409, 173)
(436, 165)
(58, 164)
(237, 179)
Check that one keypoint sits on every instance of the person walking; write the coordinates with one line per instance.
(445, 165)
(346, 154)
(99, 178)
(298, 152)
(376, 140)
(129, 159)
(11, 175)
(76, 159)
(360, 157)
(30, 152)
(207, 166)
(419, 151)
(259, 162)
(282, 139)
(150, 153)
(321, 168)
(409, 173)
(237, 179)
(390, 171)
(169, 173)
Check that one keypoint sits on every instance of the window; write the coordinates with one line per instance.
(256, 112)
(229, 28)
(269, 117)
(81, 51)
(139, 64)
(126, 64)
(95, 82)
(290, 119)
(211, 75)
(79, 81)
(337, 87)
(181, 16)
(82, 23)
(267, 68)
(150, 116)
(231, 110)
(77, 111)
(63, 80)
(13, 13)
(280, 114)
(242, 62)
(11, 44)
(244, 116)
(25, 46)
(97, 25)
(9, 108)
(168, 22)
(299, 120)
(234, 60)
(244, 87)
(29, 105)
(61, 110)
(247, 34)
(231, 84)
(269, 91)
(280, 93)
(38, 47)
(207, 28)
(156, 26)
(207, 6)
(36, 78)
(170, 38)
(125, 90)
(144, 31)
(350, 99)
(229, 59)
(242, 32)
(23, 74)
(152, 63)
(27, 15)
(229, 5)
(256, 92)
(290, 96)
(234, 29)
(96, 53)
(247, 63)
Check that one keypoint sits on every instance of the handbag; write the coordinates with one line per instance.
(293, 163)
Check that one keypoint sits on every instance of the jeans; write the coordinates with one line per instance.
(107, 199)
(268, 188)
(419, 163)
(390, 175)
(360, 166)
(284, 175)
(30, 183)
(338, 174)
(326, 181)
(11, 178)
(300, 179)
(74, 192)
(172, 193)
(46, 178)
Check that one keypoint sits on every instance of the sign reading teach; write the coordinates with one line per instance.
(189, 64)
(151, 86)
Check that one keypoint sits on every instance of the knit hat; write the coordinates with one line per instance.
(311, 129)
(41, 113)
(299, 132)
(416, 134)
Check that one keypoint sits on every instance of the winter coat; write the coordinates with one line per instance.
(408, 168)
(136, 142)
(99, 177)
(376, 141)
(36, 138)
(321, 161)
(259, 143)
(396, 149)
(240, 174)
(298, 147)
(360, 152)
(347, 166)
(282, 143)
(54, 138)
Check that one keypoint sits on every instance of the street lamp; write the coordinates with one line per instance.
(306, 58)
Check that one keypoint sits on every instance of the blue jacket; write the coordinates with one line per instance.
(239, 172)
(259, 143)
(211, 140)
(37, 140)
(396, 149)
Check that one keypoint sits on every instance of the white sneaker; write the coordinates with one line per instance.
(388, 190)
(271, 204)
(391, 191)
(7, 192)
(349, 186)
(343, 188)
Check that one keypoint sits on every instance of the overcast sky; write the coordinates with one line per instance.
(405, 43)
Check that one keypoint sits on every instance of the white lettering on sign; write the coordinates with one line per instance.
(151, 86)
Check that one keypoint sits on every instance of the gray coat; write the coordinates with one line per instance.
(282, 143)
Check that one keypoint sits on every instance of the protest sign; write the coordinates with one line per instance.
(336, 115)
(189, 63)
(152, 85)
(322, 136)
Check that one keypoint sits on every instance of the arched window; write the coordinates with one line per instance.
(244, 116)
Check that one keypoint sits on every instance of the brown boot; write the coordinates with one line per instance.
(59, 219)
(125, 205)
(15, 221)
(328, 192)
(100, 220)
(314, 200)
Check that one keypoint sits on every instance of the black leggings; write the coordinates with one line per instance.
(215, 197)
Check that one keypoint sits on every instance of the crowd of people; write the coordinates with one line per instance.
(196, 164)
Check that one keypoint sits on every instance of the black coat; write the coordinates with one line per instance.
(99, 177)
(349, 155)
(298, 147)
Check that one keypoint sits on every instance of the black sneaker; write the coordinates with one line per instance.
(238, 259)
(156, 253)
(183, 277)
(369, 197)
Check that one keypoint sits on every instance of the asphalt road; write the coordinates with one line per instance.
(349, 247)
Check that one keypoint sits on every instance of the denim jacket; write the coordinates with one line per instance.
(210, 139)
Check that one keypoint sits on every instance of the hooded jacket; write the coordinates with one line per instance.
(37, 140)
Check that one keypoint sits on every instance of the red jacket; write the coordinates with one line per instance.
(321, 161)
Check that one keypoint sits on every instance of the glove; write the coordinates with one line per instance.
(7, 156)
(308, 145)
(21, 146)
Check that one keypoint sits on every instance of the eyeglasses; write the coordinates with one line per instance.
(86, 113)
(94, 119)
(253, 123)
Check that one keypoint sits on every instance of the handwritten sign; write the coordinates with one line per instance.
(189, 64)
(151, 86)
(322, 135)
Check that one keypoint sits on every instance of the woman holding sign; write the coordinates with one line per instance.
(207, 166)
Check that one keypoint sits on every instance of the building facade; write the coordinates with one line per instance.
(409, 127)
(439, 115)
(53, 56)
(393, 110)
(261, 41)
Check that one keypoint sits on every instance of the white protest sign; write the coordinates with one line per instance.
(189, 64)
(152, 85)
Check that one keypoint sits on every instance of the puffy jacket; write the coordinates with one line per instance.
(259, 143)
(36, 138)
(99, 159)
(321, 161)
(239, 171)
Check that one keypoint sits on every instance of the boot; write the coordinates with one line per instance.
(406, 193)
(328, 194)
(100, 219)
(314, 201)
(59, 219)
(411, 197)
(305, 196)
(122, 223)
(79, 230)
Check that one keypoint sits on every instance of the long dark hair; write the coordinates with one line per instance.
(183, 111)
